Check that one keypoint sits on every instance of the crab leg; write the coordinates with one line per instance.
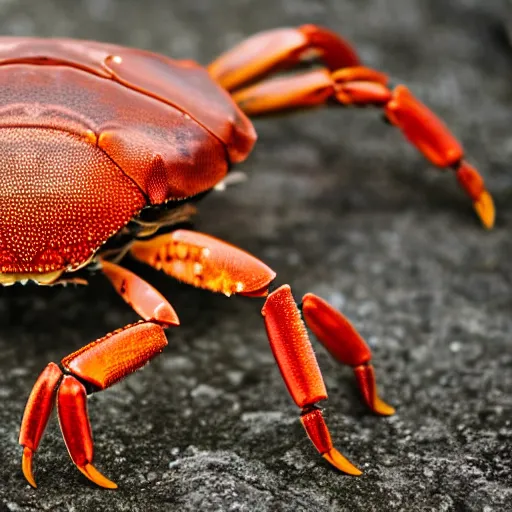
(346, 345)
(147, 302)
(93, 368)
(343, 81)
(360, 86)
(277, 49)
(206, 262)
(37, 413)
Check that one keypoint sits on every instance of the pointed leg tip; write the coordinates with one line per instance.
(26, 466)
(382, 408)
(484, 207)
(95, 476)
(165, 314)
(365, 375)
(334, 457)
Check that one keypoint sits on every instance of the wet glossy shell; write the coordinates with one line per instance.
(90, 133)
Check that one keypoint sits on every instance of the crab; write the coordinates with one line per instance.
(106, 150)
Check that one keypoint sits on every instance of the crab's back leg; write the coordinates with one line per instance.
(278, 49)
(342, 82)
(93, 368)
(206, 262)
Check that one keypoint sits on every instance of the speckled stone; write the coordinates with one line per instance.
(339, 205)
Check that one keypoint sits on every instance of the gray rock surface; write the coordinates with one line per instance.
(339, 205)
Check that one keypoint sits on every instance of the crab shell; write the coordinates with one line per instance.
(90, 134)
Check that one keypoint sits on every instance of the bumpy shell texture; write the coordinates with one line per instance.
(91, 133)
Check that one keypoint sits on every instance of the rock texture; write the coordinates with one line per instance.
(339, 205)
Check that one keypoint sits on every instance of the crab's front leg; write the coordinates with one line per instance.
(344, 81)
(212, 264)
(93, 368)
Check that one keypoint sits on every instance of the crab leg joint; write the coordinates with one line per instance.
(210, 263)
(106, 151)
(344, 81)
(96, 366)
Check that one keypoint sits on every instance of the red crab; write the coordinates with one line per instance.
(106, 148)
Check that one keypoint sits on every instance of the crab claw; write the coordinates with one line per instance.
(76, 429)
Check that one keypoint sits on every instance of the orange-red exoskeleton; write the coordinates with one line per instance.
(104, 149)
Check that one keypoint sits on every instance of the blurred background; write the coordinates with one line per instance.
(338, 204)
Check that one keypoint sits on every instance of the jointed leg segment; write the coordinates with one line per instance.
(209, 263)
(95, 367)
(206, 262)
(279, 49)
(346, 345)
(344, 81)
